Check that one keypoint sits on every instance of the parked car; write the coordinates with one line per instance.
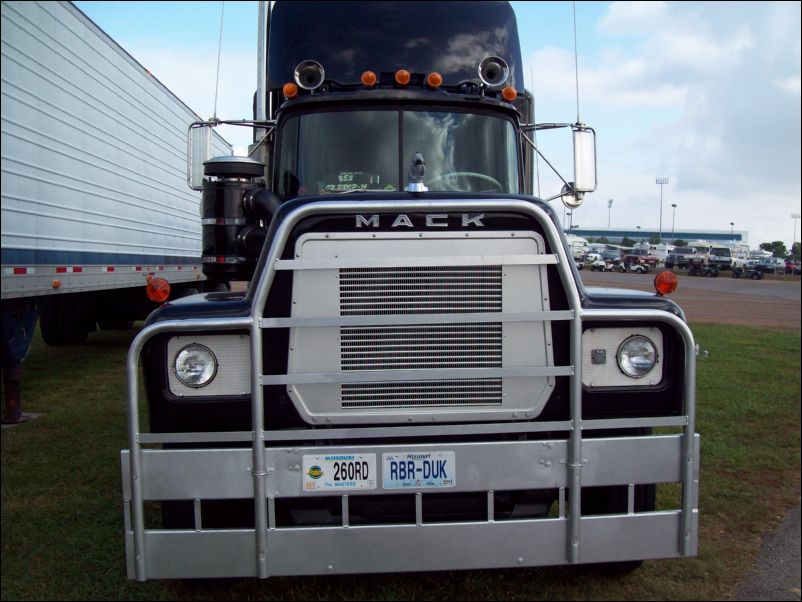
(643, 255)
(790, 266)
(771, 265)
(680, 257)
(611, 255)
(601, 265)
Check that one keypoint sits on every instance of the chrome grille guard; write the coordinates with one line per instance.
(137, 537)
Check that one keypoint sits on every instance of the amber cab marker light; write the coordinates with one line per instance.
(435, 80)
(368, 79)
(402, 77)
(290, 90)
(509, 94)
(665, 283)
(158, 290)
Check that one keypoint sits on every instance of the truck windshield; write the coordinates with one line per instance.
(334, 152)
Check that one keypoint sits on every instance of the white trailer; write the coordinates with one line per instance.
(94, 194)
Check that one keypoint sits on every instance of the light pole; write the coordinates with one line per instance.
(609, 204)
(794, 216)
(673, 215)
(732, 234)
(570, 219)
(661, 181)
(639, 238)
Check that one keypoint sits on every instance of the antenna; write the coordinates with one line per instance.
(219, 53)
(576, 67)
(534, 132)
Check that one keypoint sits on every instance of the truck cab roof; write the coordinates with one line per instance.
(451, 38)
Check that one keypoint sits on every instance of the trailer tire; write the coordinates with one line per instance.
(62, 322)
(114, 324)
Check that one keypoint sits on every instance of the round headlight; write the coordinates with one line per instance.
(195, 365)
(637, 356)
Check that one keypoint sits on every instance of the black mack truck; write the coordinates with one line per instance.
(416, 378)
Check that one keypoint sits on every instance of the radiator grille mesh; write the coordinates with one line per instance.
(439, 393)
(416, 290)
(421, 290)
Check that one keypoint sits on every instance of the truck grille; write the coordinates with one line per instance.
(442, 393)
(387, 359)
(416, 290)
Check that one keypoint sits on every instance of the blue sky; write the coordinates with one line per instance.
(704, 93)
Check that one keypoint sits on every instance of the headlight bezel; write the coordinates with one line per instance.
(607, 376)
(625, 364)
(204, 348)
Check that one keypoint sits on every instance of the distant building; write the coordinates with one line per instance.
(618, 234)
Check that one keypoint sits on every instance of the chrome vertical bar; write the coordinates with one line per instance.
(575, 445)
(631, 499)
(198, 516)
(135, 459)
(258, 449)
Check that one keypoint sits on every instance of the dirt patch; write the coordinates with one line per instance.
(718, 307)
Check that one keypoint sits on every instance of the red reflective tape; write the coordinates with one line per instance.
(180, 267)
(61, 270)
(138, 268)
(161, 268)
(110, 268)
(77, 269)
(20, 270)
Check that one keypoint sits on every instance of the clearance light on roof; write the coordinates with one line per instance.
(435, 80)
(290, 90)
(368, 79)
(402, 77)
(509, 94)
(665, 283)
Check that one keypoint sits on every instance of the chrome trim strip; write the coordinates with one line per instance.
(409, 319)
(224, 221)
(404, 262)
(369, 376)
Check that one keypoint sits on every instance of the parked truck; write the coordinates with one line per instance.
(94, 195)
(416, 379)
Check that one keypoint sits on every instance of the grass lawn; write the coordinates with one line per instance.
(62, 525)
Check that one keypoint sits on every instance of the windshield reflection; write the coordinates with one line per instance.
(345, 151)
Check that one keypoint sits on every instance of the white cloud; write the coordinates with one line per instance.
(792, 85)
(704, 93)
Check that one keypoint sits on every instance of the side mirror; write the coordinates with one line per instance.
(584, 159)
(199, 149)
